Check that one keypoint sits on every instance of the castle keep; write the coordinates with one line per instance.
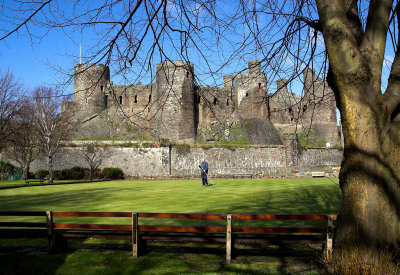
(177, 109)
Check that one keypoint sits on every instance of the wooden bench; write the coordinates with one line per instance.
(19, 229)
(58, 233)
(28, 182)
(317, 174)
(242, 175)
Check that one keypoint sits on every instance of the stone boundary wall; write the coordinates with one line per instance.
(162, 162)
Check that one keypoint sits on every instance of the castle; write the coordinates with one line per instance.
(177, 109)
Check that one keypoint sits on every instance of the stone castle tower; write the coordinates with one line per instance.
(90, 84)
(175, 96)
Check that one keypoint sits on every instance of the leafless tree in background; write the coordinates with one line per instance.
(23, 143)
(50, 124)
(288, 36)
(10, 97)
(94, 156)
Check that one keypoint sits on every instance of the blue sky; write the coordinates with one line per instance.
(45, 61)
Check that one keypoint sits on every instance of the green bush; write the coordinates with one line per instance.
(6, 167)
(77, 173)
(57, 174)
(112, 173)
(74, 173)
(41, 174)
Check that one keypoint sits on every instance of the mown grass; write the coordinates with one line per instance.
(276, 196)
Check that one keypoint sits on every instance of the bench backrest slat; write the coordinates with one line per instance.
(278, 230)
(92, 214)
(196, 216)
(92, 226)
(183, 228)
(280, 217)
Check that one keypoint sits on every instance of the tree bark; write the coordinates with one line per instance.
(370, 172)
(50, 165)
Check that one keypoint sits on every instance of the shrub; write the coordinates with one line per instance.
(74, 173)
(112, 173)
(41, 174)
(7, 167)
(57, 174)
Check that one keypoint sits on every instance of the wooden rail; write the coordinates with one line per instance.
(58, 232)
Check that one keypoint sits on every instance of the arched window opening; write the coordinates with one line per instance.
(215, 101)
(120, 99)
(247, 94)
(187, 74)
(227, 102)
(135, 99)
(259, 85)
(290, 110)
(304, 108)
(149, 98)
(101, 88)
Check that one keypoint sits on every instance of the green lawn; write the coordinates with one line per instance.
(276, 196)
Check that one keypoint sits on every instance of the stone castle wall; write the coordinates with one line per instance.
(175, 162)
(174, 107)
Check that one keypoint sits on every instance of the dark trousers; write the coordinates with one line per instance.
(204, 178)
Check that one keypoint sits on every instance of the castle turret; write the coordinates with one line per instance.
(175, 118)
(252, 91)
(90, 85)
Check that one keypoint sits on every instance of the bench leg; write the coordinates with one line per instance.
(229, 243)
(143, 246)
(58, 244)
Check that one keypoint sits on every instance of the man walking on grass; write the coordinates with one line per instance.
(204, 171)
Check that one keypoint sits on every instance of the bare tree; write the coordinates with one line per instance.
(10, 95)
(23, 144)
(94, 155)
(51, 125)
(287, 36)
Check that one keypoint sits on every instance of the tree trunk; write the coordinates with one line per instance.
(91, 171)
(25, 171)
(370, 174)
(50, 165)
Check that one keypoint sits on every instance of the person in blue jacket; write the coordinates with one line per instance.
(204, 171)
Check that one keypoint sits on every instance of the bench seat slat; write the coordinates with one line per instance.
(22, 224)
(23, 233)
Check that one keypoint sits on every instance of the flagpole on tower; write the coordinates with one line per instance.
(80, 53)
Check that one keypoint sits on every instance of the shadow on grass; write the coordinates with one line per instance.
(162, 258)
(21, 185)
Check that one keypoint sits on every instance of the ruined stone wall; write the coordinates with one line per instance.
(178, 162)
(144, 162)
(251, 90)
(315, 110)
(175, 109)
(216, 104)
(317, 158)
